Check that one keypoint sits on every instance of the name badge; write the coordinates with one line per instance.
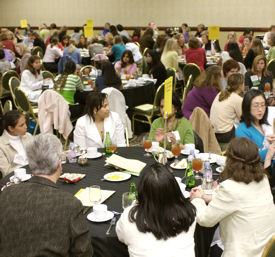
(254, 78)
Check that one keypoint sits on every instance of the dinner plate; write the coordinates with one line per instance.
(117, 176)
(87, 89)
(25, 178)
(180, 165)
(187, 152)
(219, 169)
(91, 216)
(97, 155)
(205, 157)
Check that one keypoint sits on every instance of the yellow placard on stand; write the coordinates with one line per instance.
(88, 31)
(90, 23)
(214, 32)
(23, 24)
(168, 90)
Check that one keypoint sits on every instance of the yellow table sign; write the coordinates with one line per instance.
(214, 32)
(23, 23)
(168, 89)
(88, 31)
(90, 23)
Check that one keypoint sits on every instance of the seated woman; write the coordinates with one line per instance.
(32, 79)
(38, 41)
(95, 48)
(67, 84)
(195, 54)
(24, 53)
(13, 140)
(271, 52)
(126, 65)
(255, 49)
(178, 128)
(4, 65)
(229, 67)
(52, 55)
(169, 56)
(145, 231)
(82, 42)
(243, 205)
(231, 37)
(155, 67)
(207, 86)
(209, 45)
(64, 41)
(258, 76)
(247, 41)
(226, 108)
(233, 52)
(146, 40)
(90, 129)
(117, 49)
(181, 47)
(108, 78)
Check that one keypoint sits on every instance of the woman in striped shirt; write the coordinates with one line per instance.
(67, 84)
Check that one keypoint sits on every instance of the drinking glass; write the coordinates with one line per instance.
(176, 151)
(128, 77)
(127, 199)
(147, 144)
(112, 147)
(86, 72)
(267, 89)
(197, 166)
(95, 194)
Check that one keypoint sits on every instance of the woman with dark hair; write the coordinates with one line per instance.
(38, 41)
(256, 49)
(113, 30)
(243, 205)
(254, 123)
(126, 63)
(136, 35)
(162, 221)
(234, 51)
(146, 40)
(32, 79)
(64, 42)
(67, 84)
(226, 109)
(13, 141)
(108, 78)
(178, 128)
(207, 86)
(82, 42)
(258, 76)
(155, 67)
(91, 129)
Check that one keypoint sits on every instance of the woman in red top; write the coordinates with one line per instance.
(6, 42)
(195, 54)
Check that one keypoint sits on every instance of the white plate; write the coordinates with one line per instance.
(187, 152)
(25, 178)
(97, 155)
(205, 157)
(117, 176)
(219, 169)
(91, 216)
(181, 165)
(87, 89)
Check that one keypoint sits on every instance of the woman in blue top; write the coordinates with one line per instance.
(254, 126)
(118, 48)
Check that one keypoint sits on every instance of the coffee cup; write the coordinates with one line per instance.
(92, 151)
(100, 210)
(20, 173)
(188, 147)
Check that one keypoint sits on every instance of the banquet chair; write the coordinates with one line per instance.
(7, 106)
(37, 50)
(5, 90)
(90, 68)
(269, 250)
(25, 106)
(202, 126)
(172, 72)
(271, 67)
(137, 43)
(47, 75)
(187, 88)
(191, 68)
(14, 83)
(198, 142)
(1, 108)
(144, 113)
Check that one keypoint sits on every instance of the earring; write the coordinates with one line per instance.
(94, 112)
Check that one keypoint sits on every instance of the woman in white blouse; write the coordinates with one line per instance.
(243, 205)
(31, 78)
(90, 129)
(13, 142)
(162, 221)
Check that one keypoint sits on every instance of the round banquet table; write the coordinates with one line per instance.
(109, 246)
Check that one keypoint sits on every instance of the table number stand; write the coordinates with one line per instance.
(163, 160)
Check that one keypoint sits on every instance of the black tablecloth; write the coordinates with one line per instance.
(109, 246)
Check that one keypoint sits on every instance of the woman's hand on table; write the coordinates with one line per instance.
(270, 138)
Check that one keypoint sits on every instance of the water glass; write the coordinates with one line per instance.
(94, 194)
(127, 199)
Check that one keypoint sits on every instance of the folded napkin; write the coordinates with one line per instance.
(83, 196)
(132, 166)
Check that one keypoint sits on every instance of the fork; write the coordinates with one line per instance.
(113, 222)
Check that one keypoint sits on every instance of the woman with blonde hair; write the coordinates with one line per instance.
(231, 37)
(24, 53)
(109, 39)
(256, 49)
(181, 43)
(259, 76)
(169, 56)
(226, 108)
(207, 86)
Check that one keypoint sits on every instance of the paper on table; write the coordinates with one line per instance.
(131, 165)
(83, 196)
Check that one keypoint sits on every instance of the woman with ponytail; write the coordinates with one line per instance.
(226, 109)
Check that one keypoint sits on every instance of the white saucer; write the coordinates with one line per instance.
(91, 216)
(97, 155)
(25, 178)
(187, 152)
(219, 169)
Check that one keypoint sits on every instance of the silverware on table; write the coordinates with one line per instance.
(113, 222)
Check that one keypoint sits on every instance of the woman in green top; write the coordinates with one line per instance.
(67, 84)
(179, 128)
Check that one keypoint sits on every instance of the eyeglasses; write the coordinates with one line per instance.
(258, 106)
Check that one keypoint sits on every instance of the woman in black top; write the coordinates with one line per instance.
(38, 41)
(234, 51)
(155, 67)
(256, 49)
(147, 41)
